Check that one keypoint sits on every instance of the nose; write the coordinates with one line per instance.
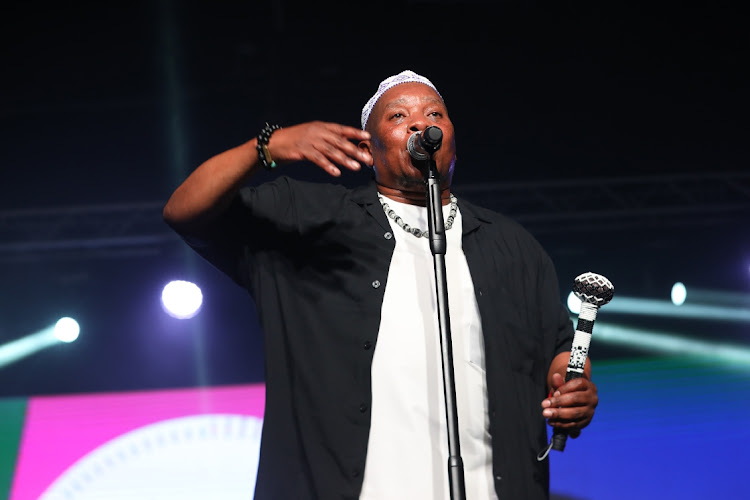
(418, 124)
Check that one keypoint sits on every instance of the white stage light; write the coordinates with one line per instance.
(181, 299)
(574, 303)
(67, 330)
(679, 294)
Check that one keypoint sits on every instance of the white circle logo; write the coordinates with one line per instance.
(195, 457)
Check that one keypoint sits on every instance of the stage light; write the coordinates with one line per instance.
(719, 298)
(665, 308)
(181, 299)
(67, 330)
(668, 343)
(679, 294)
(574, 303)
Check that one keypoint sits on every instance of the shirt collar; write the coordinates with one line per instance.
(367, 196)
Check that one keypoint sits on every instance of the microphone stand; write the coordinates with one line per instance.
(438, 245)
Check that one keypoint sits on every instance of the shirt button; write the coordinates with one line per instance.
(376, 284)
(480, 292)
(498, 478)
(367, 344)
(388, 235)
(362, 408)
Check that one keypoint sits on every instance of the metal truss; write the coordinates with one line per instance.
(126, 230)
(93, 231)
(619, 203)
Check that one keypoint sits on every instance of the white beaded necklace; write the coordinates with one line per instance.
(419, 233)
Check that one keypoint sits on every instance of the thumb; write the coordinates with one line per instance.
(557, 381)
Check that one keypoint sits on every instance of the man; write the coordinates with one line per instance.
(345, 296)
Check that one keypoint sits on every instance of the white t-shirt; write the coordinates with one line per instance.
(407, 456)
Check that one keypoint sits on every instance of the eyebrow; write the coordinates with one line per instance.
(401, 101)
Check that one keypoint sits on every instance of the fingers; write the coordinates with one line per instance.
(568, 418)
(352, 133)
(575, 385)
(572, 405)
(344, 151)
(323, 162)
(341, 152)
(557, 381)
(330, 146)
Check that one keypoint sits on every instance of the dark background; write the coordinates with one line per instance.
(616, 132)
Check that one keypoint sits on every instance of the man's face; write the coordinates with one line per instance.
(401, 111)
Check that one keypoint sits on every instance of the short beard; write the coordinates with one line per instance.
(411, 183)
(419, 184)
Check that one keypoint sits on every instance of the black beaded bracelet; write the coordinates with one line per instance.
(263, 153)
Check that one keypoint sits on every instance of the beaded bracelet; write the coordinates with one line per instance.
(263, 153)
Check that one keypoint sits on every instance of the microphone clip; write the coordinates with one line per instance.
(422, 145)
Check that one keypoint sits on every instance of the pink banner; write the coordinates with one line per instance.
(60, 430)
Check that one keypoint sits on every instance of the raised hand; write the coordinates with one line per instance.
(327, 145)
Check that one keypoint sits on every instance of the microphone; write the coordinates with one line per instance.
(594, 291)
(421, 146)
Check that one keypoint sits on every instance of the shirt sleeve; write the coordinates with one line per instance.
(556, 323)
(265, 217)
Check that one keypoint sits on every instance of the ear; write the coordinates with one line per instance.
(365, 146)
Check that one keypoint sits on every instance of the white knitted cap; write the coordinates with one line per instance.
(403, 77)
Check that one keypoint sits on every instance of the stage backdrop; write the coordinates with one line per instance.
(665, 428)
